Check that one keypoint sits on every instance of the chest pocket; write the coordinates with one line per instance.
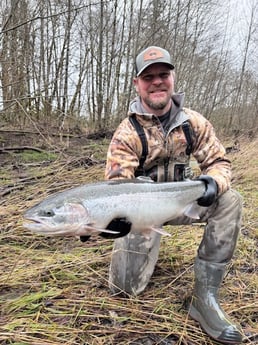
(180, 171)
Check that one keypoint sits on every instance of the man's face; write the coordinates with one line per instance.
(155, 86)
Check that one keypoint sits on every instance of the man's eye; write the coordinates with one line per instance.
(150, 77)
(147, 77)
(164, 75)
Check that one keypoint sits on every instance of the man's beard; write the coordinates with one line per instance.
(157, 105)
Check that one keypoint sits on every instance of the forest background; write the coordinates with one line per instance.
(69, 64)
(66, 70)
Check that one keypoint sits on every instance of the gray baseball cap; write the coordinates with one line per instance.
(150, 56)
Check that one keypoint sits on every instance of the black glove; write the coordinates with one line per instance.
(84, 238)
(211, 192)
(121, 225)
(118, 224)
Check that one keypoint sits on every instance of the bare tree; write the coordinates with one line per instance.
(70, 61)
(15, 59)
(240, 100)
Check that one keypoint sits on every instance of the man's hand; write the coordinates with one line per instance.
(211, 192)
(121, 225)
(84, 238)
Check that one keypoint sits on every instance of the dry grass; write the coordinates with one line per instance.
(55, 291)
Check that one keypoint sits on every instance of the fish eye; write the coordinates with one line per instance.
(48, 213)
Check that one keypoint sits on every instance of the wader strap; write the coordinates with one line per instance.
(188, 135)
(139, 129)
(186, 127)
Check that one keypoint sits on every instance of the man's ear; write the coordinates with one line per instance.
(135, 82)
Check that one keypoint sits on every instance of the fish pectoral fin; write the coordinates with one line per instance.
(160, 231)
(109, 231)
(92, 228)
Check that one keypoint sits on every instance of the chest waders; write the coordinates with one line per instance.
(180, 171)
(134, 257)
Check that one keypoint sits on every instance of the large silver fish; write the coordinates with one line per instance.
(90, 208)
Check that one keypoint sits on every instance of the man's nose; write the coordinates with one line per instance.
(157, 79)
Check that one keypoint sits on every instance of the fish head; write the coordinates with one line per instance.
(48, 218)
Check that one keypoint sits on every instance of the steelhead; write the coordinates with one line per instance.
(89, 209)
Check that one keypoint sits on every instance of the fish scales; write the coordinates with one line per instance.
(89, 208)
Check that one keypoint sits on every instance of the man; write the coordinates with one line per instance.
(156, 140)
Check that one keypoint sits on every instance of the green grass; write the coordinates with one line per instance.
(29, 156)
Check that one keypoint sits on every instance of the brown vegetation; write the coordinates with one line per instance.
(54, 290)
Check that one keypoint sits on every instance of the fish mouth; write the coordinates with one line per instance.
(30, 217)
(39, 225)
(48, 229)
(42, 227)
(33, 220)
(36, 227)
(34, 224)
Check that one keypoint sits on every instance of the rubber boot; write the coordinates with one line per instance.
(133, 262)
(205, 307)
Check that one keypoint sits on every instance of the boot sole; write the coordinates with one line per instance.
(194, 313)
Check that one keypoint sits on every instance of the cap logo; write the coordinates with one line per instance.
(152, 54)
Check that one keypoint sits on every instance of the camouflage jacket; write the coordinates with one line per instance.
(125, 148)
